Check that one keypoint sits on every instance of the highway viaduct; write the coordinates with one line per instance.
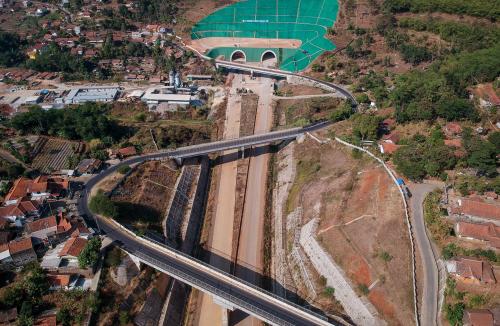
(226, 289)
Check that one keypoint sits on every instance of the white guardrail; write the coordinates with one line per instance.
(224, 277)
(408, 222)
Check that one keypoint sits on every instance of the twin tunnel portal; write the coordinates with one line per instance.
(241, 57)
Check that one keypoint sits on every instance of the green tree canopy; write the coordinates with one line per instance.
(11, 53)
(101, 204)
(423, 157)
(366, 126)
(90, 254)
(84, 122)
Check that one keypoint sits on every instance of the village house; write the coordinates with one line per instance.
(478, 317)
(475, 209)
(68, 282)
(43, 229)
(489, 232)
(63, 258)
(72, 248)
(18, 252)
(41, 188)
(6, 236)
(471, 270)
(387, 147)
(127, 152)
(392, 138)
(58, 281)
(452, 130)
(8, 316)
(88, 166)
(4, 223)
(46, 320)
(486, 95)
(22, 209)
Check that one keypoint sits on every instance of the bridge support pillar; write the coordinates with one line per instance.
(178, 160)
(242, 152)
(223, 303)
(136, 261)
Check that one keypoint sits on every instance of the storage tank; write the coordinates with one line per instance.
(171, 79)
(177, 79)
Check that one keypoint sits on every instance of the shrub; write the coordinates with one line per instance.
(124, 169)
(385, 256)
(329, 291)
(101, 204)
(364, 289)
(455, 313)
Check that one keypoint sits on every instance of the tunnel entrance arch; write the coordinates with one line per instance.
(238, 56)
(268, 55)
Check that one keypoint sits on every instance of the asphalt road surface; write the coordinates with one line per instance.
(428, 310)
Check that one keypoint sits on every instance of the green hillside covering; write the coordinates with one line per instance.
(305, 20)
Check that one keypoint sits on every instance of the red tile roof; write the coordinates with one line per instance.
(453, 142)
(477, 208)
(4, 247)
(64, 225)
(389, 148)
(59, 279)
(487, 92)
(127, 151)
(23, 186)
(46, 321)
(18, 246)
(477, 269)
(392, 137)
(73, 247)
(79, 229)
(485, 232)
(22, 208)
(4, 223)
(479, 317)
(41, 224)
(453, 128)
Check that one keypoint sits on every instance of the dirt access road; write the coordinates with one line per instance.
(220, 241)
(251, 240)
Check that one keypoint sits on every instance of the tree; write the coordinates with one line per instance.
(25, 317)
(123, 317)
(343, 113)
(455, 313)
(87, 121)
(423, 157)
(114, 257)
(483, 158)
(35, 283)
(494, 138)
(90, 254)
(10, 50)
(13, 296)
(366, 126)
(64, 316)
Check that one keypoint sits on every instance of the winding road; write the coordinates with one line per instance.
(430, 291)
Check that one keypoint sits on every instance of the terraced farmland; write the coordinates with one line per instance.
(51, 154)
